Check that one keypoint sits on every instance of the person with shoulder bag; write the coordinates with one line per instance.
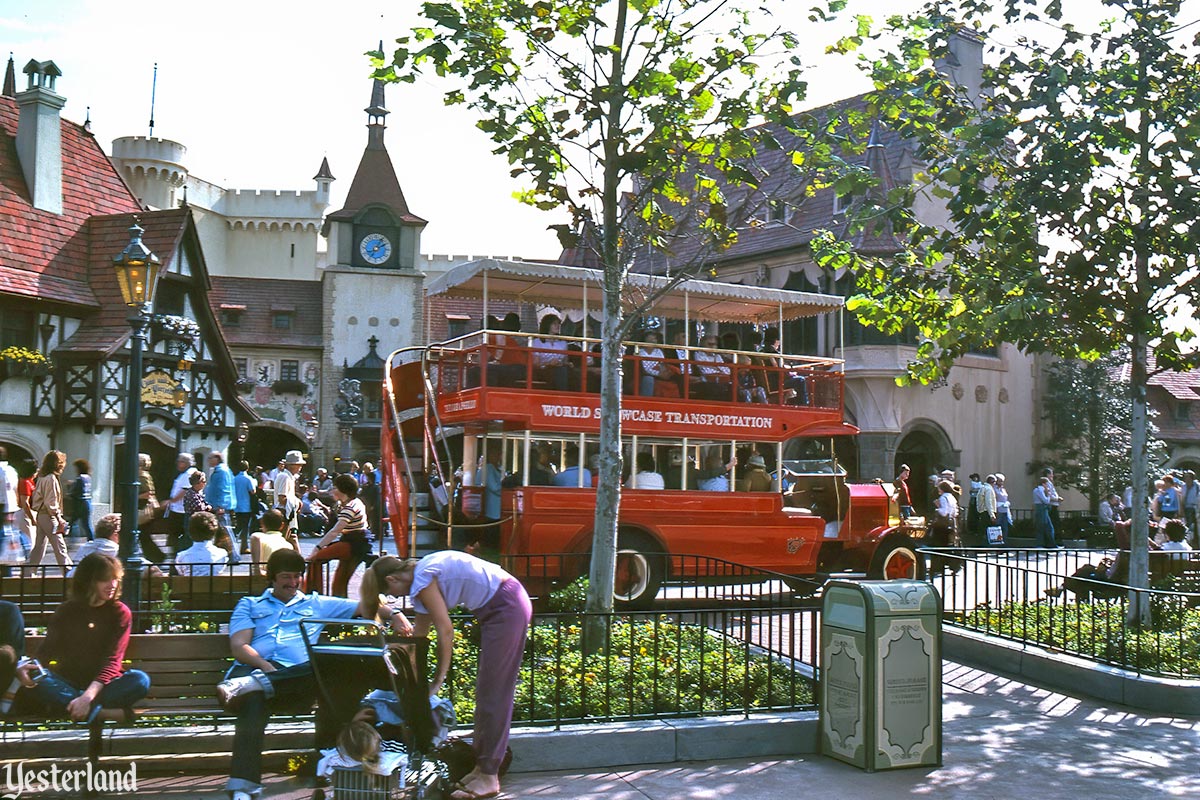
(47, 504)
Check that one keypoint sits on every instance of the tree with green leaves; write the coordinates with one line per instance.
(1070, 184)
(1086, 404)
(632, 116)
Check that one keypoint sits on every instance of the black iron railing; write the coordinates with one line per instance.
(1071, 601)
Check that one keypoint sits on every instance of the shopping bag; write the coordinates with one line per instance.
(12, 549)
(995, 535)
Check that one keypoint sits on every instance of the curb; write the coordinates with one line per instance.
(622, 744)
(1072, 675)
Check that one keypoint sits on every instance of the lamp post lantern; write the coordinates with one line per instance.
(137, 274)
(243, 433)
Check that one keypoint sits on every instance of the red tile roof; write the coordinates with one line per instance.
(45, 255)
(262, 296)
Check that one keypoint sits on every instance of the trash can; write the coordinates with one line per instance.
(881, 674)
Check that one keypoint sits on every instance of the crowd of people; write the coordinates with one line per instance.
(207, 521)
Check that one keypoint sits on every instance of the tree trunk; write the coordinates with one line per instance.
(1139, 554)
(608, 492)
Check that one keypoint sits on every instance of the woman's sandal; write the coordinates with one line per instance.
(460, 792)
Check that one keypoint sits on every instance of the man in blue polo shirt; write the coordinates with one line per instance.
(221, 496)
(271, 664)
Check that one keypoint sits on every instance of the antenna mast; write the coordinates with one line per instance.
(153, 91)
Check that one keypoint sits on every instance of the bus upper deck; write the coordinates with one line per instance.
(548, 381)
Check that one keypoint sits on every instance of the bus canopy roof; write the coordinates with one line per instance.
(566, 287)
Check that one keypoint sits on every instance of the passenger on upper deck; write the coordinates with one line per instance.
(645, 477)
(748, 390)
(550, 355)
(570, 476)
(656, 372)
(795, 381)
(508, 366)
(715, 475)
(713, 381)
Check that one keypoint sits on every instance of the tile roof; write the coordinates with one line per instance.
(375, 182)
(107, 329)
(780, 179)
(45, 255)
(261, 296)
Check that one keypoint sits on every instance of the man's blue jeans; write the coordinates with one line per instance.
(1043, 526)
(290, 688)
(54, 692)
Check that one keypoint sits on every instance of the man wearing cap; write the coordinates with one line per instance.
(287, 502)
(755, 478)
(903, 495)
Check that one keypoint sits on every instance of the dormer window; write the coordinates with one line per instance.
(841, 203)
(776, 211)
(231, 315)
(282, 318)
(1183, 410)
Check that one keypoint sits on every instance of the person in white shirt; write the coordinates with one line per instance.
(186, 464)
(654, 366)
(8, 492)
(645, 476)
(287, 502)
(550, 354)
(715, 475)
(107, 542)
(714, 377)
(203, 557)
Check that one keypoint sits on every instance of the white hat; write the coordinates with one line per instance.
(293, 457)
(757, 461)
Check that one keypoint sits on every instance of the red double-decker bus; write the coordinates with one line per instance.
(729, 451)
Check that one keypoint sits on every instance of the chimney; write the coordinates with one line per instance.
(39, 136)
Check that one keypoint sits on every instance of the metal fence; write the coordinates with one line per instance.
(721, 638)
(1062, 600)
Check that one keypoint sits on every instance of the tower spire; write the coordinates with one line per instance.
(10, 79)
(376, 114)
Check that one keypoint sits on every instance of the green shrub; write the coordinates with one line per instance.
(654, 667)
(1097, 630)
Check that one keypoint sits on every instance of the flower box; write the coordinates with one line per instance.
(289, 387)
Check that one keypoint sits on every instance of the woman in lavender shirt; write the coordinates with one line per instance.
(436, 584)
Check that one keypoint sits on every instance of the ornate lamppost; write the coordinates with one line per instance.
(137, 274)
(310, 433)
(243, 433)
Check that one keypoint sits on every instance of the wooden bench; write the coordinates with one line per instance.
(216, 595)
(184, 669)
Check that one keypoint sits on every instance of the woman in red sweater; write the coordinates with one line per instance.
(84, 647)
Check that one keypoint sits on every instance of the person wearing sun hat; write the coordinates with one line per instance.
(287, 502)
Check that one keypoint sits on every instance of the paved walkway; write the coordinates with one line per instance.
(1002, 739)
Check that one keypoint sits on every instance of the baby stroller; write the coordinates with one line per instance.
(395, 663)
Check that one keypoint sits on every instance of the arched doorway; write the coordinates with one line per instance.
(925, 448)
(266, 445)
(19, 458)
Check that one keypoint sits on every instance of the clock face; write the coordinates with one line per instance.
(375, 248)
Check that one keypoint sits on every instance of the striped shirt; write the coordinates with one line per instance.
(354, 514)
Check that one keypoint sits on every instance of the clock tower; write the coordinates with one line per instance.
(372, 289)
(375, 229)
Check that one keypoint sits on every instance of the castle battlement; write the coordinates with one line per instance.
(143, 148)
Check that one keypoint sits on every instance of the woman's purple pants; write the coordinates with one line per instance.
(504, 624)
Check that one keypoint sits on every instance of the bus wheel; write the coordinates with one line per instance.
(639, 573)
(897, 558)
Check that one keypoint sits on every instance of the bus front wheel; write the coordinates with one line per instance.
(640, 570)
(897, 558)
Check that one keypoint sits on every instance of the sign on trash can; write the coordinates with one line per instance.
(881, 674)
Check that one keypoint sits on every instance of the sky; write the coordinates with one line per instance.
(260, 90)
